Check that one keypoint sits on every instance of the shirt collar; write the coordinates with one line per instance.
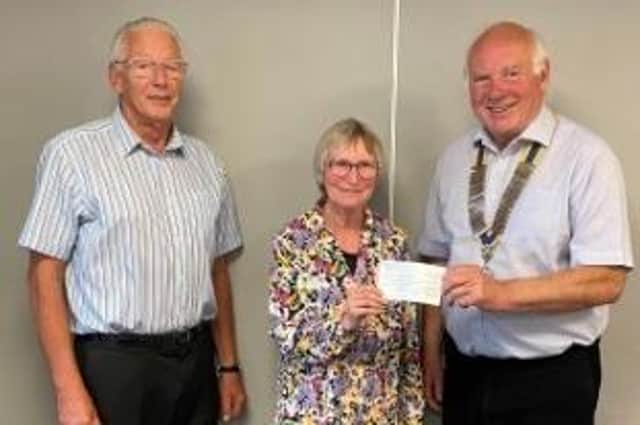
(130, 142)
(540, 130)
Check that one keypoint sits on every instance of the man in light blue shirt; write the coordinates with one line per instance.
(529, 213)
(129, 232)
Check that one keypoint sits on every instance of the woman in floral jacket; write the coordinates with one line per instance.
(347, 356)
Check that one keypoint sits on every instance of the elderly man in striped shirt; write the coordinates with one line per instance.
(129, 230)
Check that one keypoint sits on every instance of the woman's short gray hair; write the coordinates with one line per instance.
(120, 44)
(345, 132)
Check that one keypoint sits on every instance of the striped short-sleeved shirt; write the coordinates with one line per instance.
(139, 230)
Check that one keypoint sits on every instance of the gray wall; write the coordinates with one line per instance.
(265, 79)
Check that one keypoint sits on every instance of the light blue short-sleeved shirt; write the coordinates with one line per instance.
(572, 212)
(139, 230)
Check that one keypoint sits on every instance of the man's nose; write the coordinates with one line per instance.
(159, 75)
(496, 88)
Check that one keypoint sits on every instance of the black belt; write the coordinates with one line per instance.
(490, 363)
(166, 339)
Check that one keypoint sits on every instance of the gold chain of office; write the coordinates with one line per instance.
(489, 236)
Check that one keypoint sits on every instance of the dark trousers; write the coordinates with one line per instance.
(558, 390)
(164, 379)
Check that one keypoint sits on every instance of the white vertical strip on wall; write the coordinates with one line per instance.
(393, 110)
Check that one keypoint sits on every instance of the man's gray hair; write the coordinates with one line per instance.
(540, 55)
(119, 46)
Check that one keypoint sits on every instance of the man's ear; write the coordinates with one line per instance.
(545, 75)
(115, 79)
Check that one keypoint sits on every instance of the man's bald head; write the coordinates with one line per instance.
(512, 32)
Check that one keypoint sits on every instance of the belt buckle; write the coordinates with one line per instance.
(186, 336)
(179, 343)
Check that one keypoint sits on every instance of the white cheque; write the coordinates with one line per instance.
(410, 281)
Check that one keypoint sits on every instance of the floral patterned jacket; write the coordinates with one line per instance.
(370, 375)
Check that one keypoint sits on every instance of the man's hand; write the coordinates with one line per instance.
(232, 396)
(470, 285)
(432, 378)
(51, 315)
(572, 289)
(75, 407)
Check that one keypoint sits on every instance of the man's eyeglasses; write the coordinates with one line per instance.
(341, 168)
(146, 68)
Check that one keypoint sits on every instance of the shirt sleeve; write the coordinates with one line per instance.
(228, 234)
(600, 232)
(53, 221)
(434, 240)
